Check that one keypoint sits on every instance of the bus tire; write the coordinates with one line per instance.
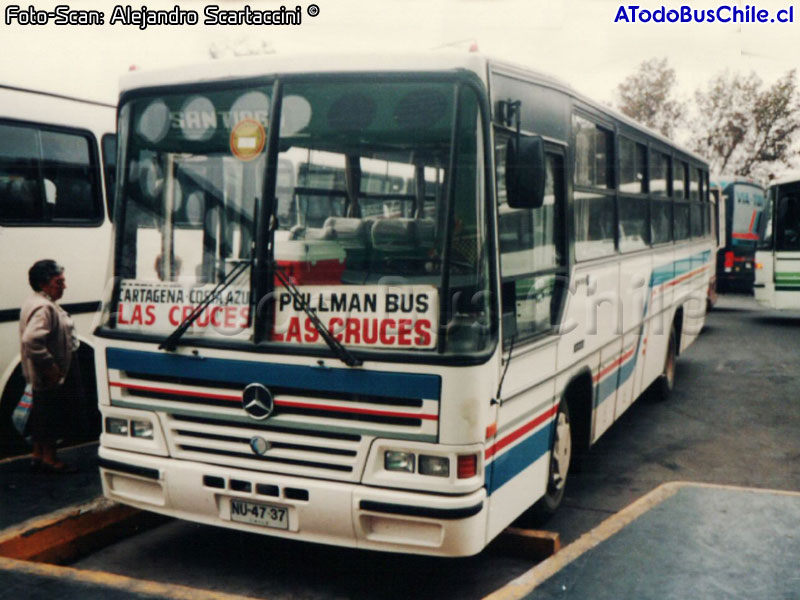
(663, 386)
(560, 458)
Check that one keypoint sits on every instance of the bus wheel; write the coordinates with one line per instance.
(666, 381)
(560, 456)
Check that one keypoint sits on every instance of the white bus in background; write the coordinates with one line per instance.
(429, 282)
(53, 204)
(777, 282)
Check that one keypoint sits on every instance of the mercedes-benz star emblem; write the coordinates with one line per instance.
(257, 401)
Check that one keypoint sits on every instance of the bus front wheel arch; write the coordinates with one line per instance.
(569, 440)
(558, 467)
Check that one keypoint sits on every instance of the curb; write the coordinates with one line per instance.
(66, 534)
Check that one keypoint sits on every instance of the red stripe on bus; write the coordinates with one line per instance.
(145, 388)
(360, 411)
(606, 370)
(685, 277)
(745, 236)
(287, 403)
(515, 435)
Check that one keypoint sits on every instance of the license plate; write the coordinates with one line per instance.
(266, 515)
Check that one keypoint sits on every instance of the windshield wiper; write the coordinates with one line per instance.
(171, 342)
(335, 345)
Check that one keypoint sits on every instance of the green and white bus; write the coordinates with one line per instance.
(381, 302)
(777, 280)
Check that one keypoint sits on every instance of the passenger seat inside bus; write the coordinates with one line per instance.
(406, 238)
(353, 235)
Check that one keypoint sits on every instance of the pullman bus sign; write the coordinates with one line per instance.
(257, 401)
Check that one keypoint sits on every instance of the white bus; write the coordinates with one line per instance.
(393, 366)
(53, 204)
(777, 279)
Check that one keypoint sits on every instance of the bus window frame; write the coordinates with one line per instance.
(607, 192)
(95, 165)
(465, 78)
(560, 238)
(642, 196)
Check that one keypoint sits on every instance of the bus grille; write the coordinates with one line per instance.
(311, 433)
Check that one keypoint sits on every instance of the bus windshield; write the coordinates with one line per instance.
(376, 213)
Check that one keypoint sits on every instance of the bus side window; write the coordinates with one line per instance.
(66, 162)
(47, 176)
(531, 258)
(20, 190)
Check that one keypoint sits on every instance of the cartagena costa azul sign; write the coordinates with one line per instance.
(158, 308)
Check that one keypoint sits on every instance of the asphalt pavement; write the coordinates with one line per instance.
(26, 494)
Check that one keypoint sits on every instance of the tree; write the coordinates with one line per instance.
(744, 129)
(648, 96)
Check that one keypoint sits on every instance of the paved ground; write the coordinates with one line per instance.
(680, 541)
(25, 494)
(734, 418)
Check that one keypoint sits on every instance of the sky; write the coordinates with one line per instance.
(574, 40)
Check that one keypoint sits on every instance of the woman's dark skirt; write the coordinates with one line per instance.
(54, 412)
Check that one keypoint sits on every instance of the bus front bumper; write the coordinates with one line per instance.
(327, 512)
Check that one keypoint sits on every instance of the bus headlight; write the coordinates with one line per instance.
(438, 466)
(395, 460)
(142, 429)
(116, 426)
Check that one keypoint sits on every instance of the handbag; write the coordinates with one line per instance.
(23, 410)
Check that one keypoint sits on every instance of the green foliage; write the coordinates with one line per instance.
(647, 96)
(745, 128)
(739, 124)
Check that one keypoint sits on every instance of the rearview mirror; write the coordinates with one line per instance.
(525, 172)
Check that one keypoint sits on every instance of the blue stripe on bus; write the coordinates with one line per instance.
(323, 379)
(609, 385)
(606, 388)
(511, 463)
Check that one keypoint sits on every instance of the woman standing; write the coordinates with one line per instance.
(47, 344)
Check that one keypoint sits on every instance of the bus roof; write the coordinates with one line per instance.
(726, 180)
(241, 68)
(13, 88)
(221, 70)
(788, 177)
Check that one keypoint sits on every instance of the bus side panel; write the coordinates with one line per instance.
(694, 303)
(634, 292)
(659, 315)
(592, 314)
(628, 373)
(764, 286)
(787, 280)
(592, 327)
(520, 447)
(606, 382)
